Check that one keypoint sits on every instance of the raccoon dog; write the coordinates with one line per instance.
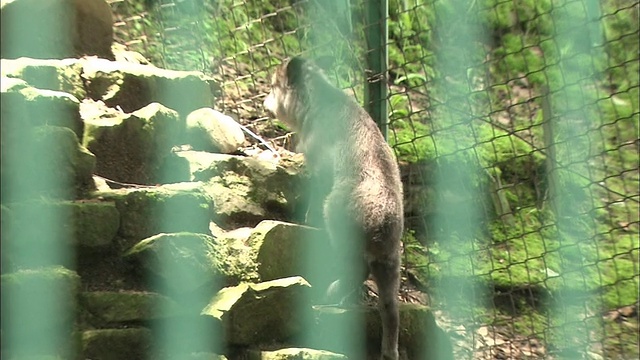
(341, 142)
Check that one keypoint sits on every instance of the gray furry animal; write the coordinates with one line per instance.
(362, 199)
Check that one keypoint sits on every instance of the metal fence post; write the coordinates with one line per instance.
(377, 59)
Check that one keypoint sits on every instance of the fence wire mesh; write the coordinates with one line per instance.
(541, 102)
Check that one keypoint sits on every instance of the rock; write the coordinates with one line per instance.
(236, 258)
(43, 302)
(100, 183)
(126, 306)
(94, 28)
(246, 190)
(94, 223)
(83, 223)
(240, 234)
(130, 148)
(188, 261)
(212, 131)
(8, 84)
(185, 261)
(295, 354)
(255, 313)
(25, 106)
(122, 54)
(281, 251)
(420, 336)
(205, 356)
(199, 161)
(234, 204)
(169, 208)
(57, 75)
(34, 235)
(116, 344)
(134, 86)
(44, 161)
(42, 158)
(56, 29)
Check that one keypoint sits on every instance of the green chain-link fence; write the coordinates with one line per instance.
(516, 124)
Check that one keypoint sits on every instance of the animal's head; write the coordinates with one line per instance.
(292, 88)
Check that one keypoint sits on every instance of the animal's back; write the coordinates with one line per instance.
(375, 185)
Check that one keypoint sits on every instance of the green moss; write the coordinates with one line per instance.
(411, 141)
(617, 266)
(127, 306)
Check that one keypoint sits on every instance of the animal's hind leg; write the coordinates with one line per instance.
(347, 242)
(387, 276)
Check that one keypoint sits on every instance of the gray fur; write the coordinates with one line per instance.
(340, 141)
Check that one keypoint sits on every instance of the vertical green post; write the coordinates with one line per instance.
(38, 293)
(177, 335)
(570, 116)
(328, 324)
(377, 59)
(458, 173)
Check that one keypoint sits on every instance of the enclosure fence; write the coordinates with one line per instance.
(516, 126)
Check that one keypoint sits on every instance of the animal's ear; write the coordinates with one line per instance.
(295, 69)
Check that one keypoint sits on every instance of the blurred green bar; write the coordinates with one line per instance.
(178, 337)
(572, 97)
(328, 324)
(457, 222)
(37, 312)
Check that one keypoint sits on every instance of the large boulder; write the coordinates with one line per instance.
(133, 86)
(185, 262)
(247, 190)
(117, 344)
(130, 148)
(148, 211)
(24, 106)
(294, 354)
(41, 154)
(84, 223)
(42, 304)
(282, 248)
(258, 313)
(94, 224)
(420, 335)
(49, 74)
(44, 161)
(188, 261)
(103, 308)
(212, 131)
(56, 29)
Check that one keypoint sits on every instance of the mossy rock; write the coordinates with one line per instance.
(45, 161)
(258, 313)
(43, 306)
(112, 307)
(134, 86)
(420, 336)
(294, 354)
(116, 344)
(169, 208)
(131, 148)
(185, 262)
(58, 75)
